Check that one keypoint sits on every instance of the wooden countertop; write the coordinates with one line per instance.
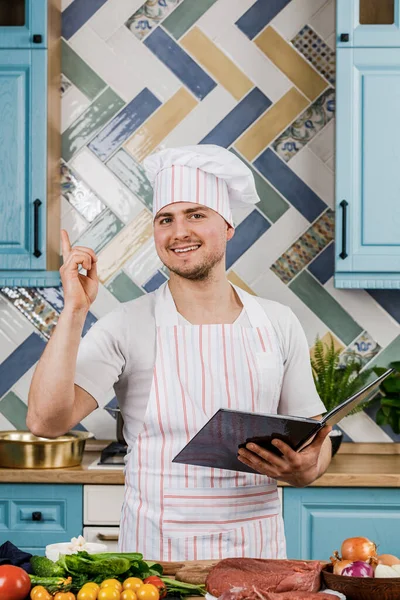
(355, 465)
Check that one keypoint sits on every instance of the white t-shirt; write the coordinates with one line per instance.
(120, 350)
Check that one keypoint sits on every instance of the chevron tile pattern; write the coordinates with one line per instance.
(255, 76)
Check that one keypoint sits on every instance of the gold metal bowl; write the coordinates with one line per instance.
(23, 450)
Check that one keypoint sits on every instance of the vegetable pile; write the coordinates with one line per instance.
(105, 576)
(359, 558)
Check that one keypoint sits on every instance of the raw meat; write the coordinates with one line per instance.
(254, 594)
(264, 576)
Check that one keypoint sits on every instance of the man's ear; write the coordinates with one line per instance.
(230, 232)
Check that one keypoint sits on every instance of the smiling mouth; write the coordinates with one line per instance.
(186, 250)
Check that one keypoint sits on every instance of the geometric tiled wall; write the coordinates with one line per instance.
(255, 76)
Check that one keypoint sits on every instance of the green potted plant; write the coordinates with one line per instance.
(335, 381)
(389, 394)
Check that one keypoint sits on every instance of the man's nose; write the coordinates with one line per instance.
(181, 229)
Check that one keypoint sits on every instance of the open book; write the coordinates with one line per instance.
(217, 443)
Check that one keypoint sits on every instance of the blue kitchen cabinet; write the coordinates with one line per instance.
(34, 515)
(29, 243)
(317, 520)
(367, 251)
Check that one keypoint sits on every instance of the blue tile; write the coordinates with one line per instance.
(180, 63)
(277, 172)
(324, 265)
(239, 119)
(76, 15)
(54, 296)
(154, 283)
(112, 404)
(258, 15)
(121, 127)
(389, 300)
(246, 234)
(79, 427)
(90, 320)
(20, 361)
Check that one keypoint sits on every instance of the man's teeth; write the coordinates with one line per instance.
(186, 249)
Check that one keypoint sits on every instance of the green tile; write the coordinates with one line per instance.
(132, 175)
(315, 296)
(93, 119)
(186, 15)
(81, 75)
(271, 203)
(14, 410)
(101, 231)
(390, 354)
(124, 288)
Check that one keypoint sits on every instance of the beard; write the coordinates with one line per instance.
(200, 272)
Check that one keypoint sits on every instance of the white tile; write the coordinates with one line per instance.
(5, 424)
(239, 214)
(323, 145)
(73, 222)
(268, 285)
(315, 174)
(271, 245)
(121, 75)
(295, 15)
(112, 15)
(142, 66)
(201, 120)
(73, 104)
(107, 187)
(331, 41)
(368, 314)
(324, 21)
(101, 423)
(105, 302)
(249, 58)
(14, 328)
(222, 14)
(21, 387)
(144, 263)
(65, 3)
(361, 428)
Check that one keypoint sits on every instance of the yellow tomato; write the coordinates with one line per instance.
(147, 591)
(64, 596)
(40, 593)
(88, 593)
(128, 595)
(111, 582)
(132, 583)
(108, 593)
(91, 584)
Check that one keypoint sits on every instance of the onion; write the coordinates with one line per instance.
(388, 559)
(338, 563)
(358, 548)
(358, 568)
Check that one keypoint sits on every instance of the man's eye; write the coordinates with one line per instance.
(166, 220)
(197, 215)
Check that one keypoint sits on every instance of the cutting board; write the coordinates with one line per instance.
(170, 568)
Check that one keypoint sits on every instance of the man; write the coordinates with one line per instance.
(174, 357)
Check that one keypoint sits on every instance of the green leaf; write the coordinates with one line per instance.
(386, 410)
(387, 401)
(395, 365)
(394, 422)
(381, 418)
(391, 384)
(379, 370)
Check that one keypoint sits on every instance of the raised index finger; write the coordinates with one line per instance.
(65, 244)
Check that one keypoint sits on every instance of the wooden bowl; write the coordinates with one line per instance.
(362, 588)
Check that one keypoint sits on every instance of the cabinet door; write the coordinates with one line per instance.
(23, 23)
(363, 23)
(367, 168)
(317, 520)
(23, 159)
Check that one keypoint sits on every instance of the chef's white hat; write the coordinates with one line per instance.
(203, 174)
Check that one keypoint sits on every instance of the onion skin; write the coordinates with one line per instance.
(388, 559)
(358, 549)
(339, 565)
(358, 568)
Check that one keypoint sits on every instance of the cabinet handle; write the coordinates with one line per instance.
(344, 206)
(36, 251)
(108, 537)
(36, 515)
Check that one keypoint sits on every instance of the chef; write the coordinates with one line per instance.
(174, 357)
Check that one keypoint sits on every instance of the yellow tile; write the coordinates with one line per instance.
(294, 66)
(124, 245)
(169, 115)
(235, 279)
(217, 63)
(327, 340)
(273, 122)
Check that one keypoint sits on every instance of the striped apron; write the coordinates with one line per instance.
(174, 512)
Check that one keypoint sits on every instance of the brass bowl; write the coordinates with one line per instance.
(23, 450)
(362, 588)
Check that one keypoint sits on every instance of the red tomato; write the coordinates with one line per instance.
(14, 583)
(158, 582)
